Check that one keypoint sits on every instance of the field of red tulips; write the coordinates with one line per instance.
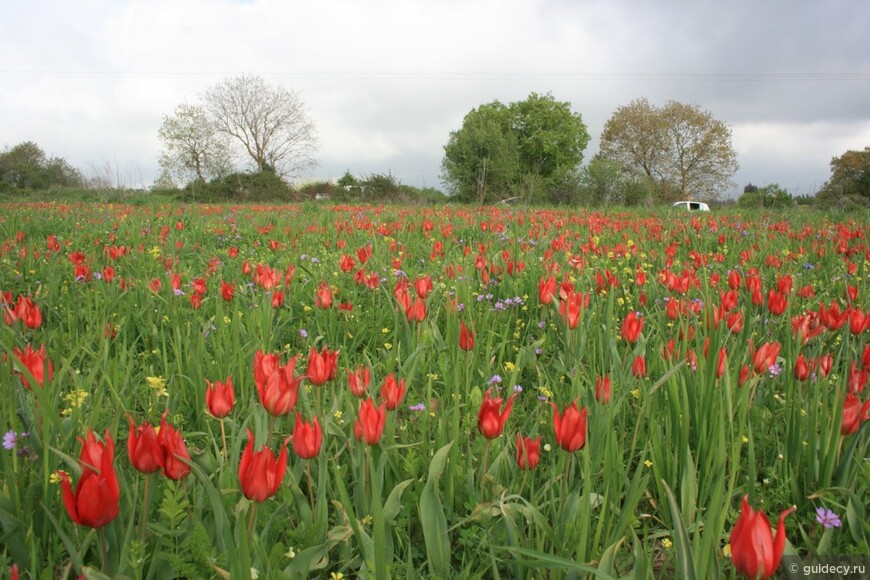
(374, 392)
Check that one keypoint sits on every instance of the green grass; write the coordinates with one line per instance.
(655, 490)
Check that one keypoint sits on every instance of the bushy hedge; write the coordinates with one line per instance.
(265, 186)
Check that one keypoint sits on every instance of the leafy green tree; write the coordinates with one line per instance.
(347, 180)
(481, 160)
(850, 179)
(600, 181)
(769, 196)
(681, 148)
(26, 167)
(530, 148)
(192, 148)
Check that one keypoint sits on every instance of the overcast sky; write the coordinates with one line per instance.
(387, 81)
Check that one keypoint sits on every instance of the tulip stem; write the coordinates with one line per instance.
(368, 451)
(565, 476)
(310, 484)
(251, 518)
(224, 438)
(101, 535)
(525, 482)
(272, 420)
(319, 405)
(144, 520)
(483, 467)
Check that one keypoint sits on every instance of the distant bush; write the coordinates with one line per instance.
(26, 167)
(318, 189)
(769, 196)
(258, 187)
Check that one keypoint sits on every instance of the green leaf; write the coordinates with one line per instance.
(685, 562)
(536, 559)
(394, 501)
(432, 517)
(855, 515)
(607, 560)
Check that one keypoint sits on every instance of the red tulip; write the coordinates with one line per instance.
(423, 286)
(857, 321)
(826, 364)
(95, 501)
(528, 451)
(358, 381)
(220, 397)
(566, 288)
(322, 366)
(37, 363)
(402, 294)
(143, 447)
(602, 389)
(854, 413)
(776, 302)
(734, 279)
(720, 363)
(638, 367)
(744, 374)
(228, 290)
(323, 296)
(28, 312)
(765, 357)
(346, 263)
(280, 390)
(392, 392)
(755, 551)
(307, 437)
(466, 337)
(801, 368)
(491, 418)
(570, 427)
(728, 300)
(832, 317)
(265, 277)
(632, 327)
(264, 366)
(857, 378)
(364, 253)
(572, 307)
(175, 454)
(417, 311)
(260, 473)
(370, 422)
(546, 290)
(735, 321)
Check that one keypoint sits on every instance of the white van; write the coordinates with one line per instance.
(692, 205)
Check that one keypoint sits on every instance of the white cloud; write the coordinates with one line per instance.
(387, 80)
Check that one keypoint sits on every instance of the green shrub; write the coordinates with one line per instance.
(265, 186)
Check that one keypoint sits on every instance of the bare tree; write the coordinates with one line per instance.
(192, 146)
(270, 123)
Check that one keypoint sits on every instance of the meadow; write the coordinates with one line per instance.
(239, 391)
